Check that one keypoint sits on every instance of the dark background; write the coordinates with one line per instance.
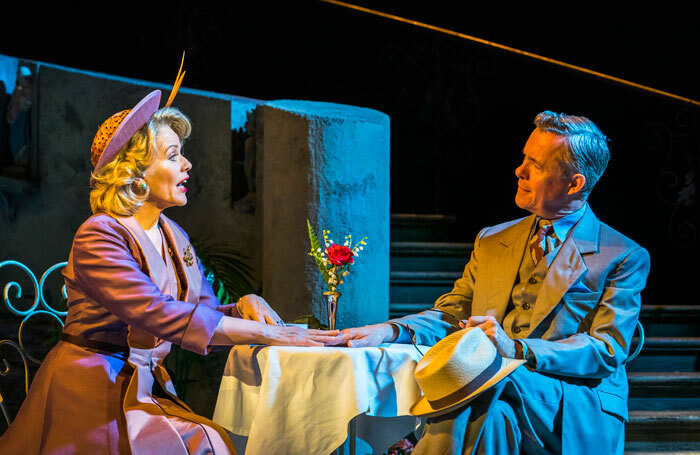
(460, 111)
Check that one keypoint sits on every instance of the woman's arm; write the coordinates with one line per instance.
(106, 270)
(242, 331)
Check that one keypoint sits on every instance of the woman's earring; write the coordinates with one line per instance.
(141, 184)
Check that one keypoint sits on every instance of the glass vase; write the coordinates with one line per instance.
(332, 306)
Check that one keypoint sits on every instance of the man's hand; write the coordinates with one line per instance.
(493, 330)
(255, 308)
(369, 335)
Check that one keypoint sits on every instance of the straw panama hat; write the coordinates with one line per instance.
(457, 369)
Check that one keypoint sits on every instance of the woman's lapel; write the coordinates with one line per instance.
(185, 261)
(154, 261)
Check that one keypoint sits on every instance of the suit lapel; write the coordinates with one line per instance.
(502, 264)
(184, 260)
(154, 261)
(567, 266)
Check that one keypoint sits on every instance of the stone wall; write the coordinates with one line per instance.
(324, 162)
(71, 105)
(327, 163)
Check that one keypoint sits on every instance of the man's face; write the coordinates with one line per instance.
(540, 188)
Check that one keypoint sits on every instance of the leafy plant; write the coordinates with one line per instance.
(231, 278)
(316, 247)
(226, 270)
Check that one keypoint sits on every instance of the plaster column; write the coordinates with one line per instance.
(328, 163)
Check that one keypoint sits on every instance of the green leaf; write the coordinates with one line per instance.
(221, 291)
(229, 269)
(315, 245)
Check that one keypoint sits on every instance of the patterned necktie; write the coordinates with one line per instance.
(538, 243)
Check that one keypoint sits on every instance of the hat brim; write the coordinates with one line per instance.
(137, 117)
(423, 408)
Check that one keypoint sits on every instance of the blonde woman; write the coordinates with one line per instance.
(135, 286)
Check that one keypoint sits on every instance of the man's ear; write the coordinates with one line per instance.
(576, 184)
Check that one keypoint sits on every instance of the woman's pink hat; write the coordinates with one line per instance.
(116, 131)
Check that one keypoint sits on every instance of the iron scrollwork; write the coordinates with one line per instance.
(676, 183)
(33, 310)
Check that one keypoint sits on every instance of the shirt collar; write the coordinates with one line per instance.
(563, 225)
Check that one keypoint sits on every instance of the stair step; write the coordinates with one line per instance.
(420, 219)
(456, 249)
(664, 382)
(658, 448)
(681, 354)
(680, 320)
(420, 286)
(664, 391)
(416, 227)
(429, 256)
(408, 293)
(397, 310)
(678, 311)
(679, 420)
(682, 426)
(666, 452)
(424, 278)
(676, 344)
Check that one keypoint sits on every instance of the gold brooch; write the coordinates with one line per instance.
(188, 256)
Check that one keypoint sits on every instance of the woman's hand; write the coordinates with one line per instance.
(298, 336)
(255, 308)
(231, 331)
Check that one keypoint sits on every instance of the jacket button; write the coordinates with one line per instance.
(526, 306)
(532, 280)
(516, 330)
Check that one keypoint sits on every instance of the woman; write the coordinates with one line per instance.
(135, 286)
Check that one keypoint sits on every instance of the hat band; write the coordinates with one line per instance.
(470, 387)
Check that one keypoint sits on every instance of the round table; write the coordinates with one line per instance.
(284, 399)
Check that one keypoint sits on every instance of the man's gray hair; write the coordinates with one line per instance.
(586, 146)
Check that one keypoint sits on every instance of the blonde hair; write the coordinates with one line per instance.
(115, 186)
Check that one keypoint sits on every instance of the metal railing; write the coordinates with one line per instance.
(38, 307)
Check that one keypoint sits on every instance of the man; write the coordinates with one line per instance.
(558, 288)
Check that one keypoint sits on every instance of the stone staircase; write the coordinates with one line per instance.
(664, 379)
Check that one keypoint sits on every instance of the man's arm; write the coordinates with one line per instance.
(598, 351)
(427, 327)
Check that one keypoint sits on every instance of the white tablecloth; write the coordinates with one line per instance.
(299, 400)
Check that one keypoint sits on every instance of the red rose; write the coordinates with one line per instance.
(339, 254)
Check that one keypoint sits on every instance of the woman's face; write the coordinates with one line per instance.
(167, 176)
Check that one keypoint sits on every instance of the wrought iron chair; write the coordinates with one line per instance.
(34, 310)
(640, 344)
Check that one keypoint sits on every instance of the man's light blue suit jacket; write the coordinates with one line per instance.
(582, 322)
